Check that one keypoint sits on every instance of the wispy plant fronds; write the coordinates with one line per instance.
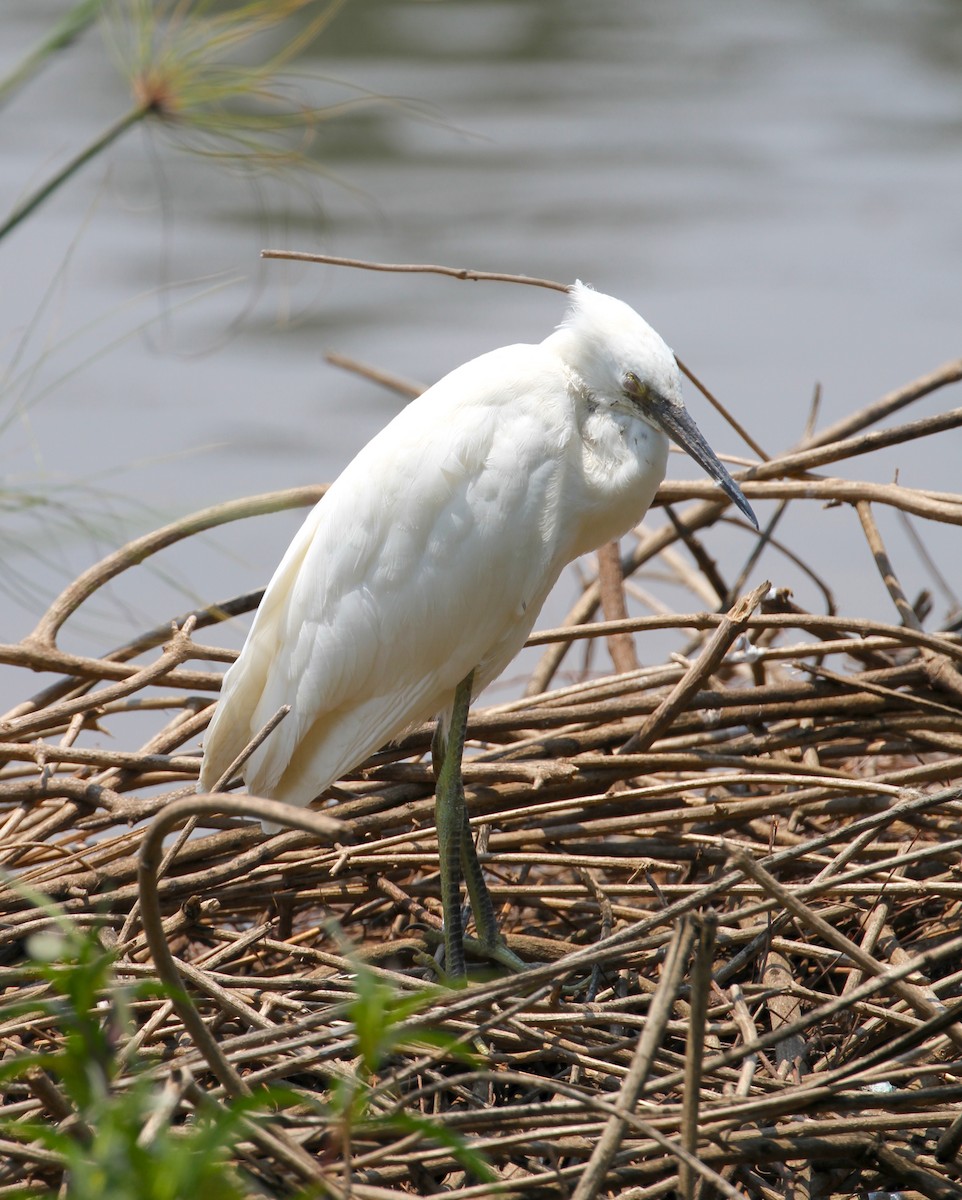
(216, 77)
(219, 73)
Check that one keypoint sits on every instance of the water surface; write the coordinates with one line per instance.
(775, 186)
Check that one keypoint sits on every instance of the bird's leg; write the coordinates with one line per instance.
(489, 935)
(456, 849)
(451, 819)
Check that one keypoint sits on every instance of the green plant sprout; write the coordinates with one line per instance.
(115, 1139)
(115, 1135)
(379, 1016)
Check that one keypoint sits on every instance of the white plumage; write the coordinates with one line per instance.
(431, 555)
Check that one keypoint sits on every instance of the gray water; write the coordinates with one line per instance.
(777, 187)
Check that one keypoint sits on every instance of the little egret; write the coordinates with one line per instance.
(419, 575)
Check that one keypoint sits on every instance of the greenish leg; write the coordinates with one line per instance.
(451, 819)
(456, 849)
(481, 905)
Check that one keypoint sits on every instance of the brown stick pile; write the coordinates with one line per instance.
(738, 875)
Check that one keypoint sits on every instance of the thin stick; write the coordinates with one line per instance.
(914, 996)
(394, 383)
(219, 786)
(662, 1002)
(468, 273)
(941, 581)
(942, 671)
(711, 507)
(151, 853)
(950, 372)
(731, 627)
(809, 457)
(695, 1048)
(885, 567)
(276, 1141)
(720, 408)
(178, 650)
(818, 1017)
(262, 734)
(843, 626)
(140, 548)
(621, 646)
(416, 269)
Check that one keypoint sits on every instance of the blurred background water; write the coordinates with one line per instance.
(777, 187)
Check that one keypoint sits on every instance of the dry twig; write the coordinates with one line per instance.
(822, 751)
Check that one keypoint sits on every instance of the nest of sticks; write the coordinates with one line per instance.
(737, 875)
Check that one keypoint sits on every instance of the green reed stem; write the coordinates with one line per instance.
(70, 26)
(110, 135)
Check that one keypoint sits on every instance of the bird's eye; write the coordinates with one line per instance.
(639, 391)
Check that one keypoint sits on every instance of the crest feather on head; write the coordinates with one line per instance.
(604, 339)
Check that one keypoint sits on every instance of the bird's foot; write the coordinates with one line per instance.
(495, 952)
(501, 953)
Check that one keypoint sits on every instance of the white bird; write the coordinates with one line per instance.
(419, 575)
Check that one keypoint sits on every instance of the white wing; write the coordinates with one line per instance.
(429, 557)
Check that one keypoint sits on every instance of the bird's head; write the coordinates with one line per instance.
(626, 365)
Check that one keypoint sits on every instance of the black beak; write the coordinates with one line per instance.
(676, 422)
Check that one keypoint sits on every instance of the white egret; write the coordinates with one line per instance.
(419, 575)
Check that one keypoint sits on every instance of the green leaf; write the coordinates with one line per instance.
(467, 1157)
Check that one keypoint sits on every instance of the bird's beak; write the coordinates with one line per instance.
(676, 422)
